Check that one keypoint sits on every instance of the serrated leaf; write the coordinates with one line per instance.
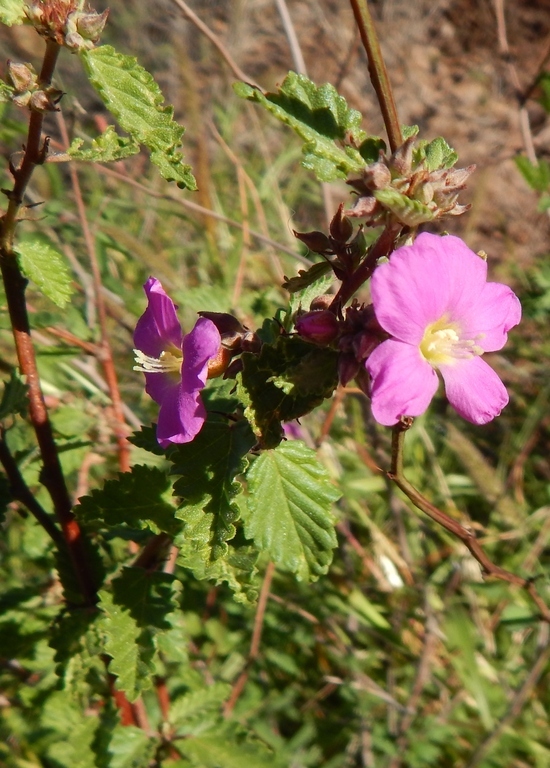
(131, 94)
(409, 212)
(41, 263)
(76, 642)
(146, 438)
(139, 499)
(149, 596)
(439, 154)
(130, 647)
(190, 713)
(14, 397)
(308, 277)
(207, 468)
(285, 381)
(237, 568)
(288, 509)
(130, 747)
(12, 12)
(321, 117)
(227, 747)
(108, 147)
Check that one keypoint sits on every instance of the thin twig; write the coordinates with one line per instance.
(377, 71)
(255, 642)
(214, 39)
(467, 536)
(106, 356)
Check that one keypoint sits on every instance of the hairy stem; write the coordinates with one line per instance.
(377, 71)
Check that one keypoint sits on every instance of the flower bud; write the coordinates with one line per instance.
(21, 76)
(320, 326)
(91, 25)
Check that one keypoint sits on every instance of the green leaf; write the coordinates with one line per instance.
(149, 596)
(131, 94)
(237, 568)
(130, 647)
(75, 638)
(41, 263)
(321, 117)
(146, 438)
(207, 468)
(439, 154)
(14, 397)
(227, 747)
(108, 147)
(12, 12)
(409, 212)
(307, 277)
(536, 175)
(130, 747)
(140, 499)
(190, 713)
(288, 379)
(6, 92)
(288, 515)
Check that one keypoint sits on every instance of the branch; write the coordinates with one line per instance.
(465, 535)
(377, 71)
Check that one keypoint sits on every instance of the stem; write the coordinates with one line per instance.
(377, 71)
(15, 285)
(465, 535)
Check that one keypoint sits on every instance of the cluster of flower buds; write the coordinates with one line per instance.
(66, 23)
(27, 91)
(414, 185)
(355, 335)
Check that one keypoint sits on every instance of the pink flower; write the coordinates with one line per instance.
(433, 298)
(175, 366)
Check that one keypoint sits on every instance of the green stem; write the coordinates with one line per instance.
(377, 71)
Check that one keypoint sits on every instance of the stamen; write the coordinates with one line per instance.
(442, 344)
(169, 362)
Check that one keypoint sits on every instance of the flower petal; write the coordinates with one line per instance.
(474, 390)
(497, 310)
(201, 344)
(424, 281)
(181, 416)
(159, 326)
(403, 383)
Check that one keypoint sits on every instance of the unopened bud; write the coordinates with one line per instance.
(91, 25)
(377, 176)
(21, 76)
(320, 326)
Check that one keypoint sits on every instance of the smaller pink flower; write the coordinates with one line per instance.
(434, 299)
(175, 366)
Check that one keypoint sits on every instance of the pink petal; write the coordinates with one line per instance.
(497, 310)
(199, 346)
(181, 417)
(424, 281)
(474, 390)
(159, 326)
(403, 383)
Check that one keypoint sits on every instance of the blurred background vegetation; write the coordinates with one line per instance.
(403, 655)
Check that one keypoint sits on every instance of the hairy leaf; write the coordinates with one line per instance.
(191, 713)
(207, 468)
(149, 596)
(321, 117)
(108, 147)
(409, 212)
(285, 381)
(307, 277)
(41, 263)
(288, 515)
(227, 747)
(130, 747)
(139, 499)
(130, 647)
(237, 568)
(12, 12)
(134, 98)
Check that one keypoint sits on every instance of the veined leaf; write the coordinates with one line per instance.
(131, 94)
(207, 468)
(321, 117)
(130, 747)
(227, 747)
(188, 713)
(108, 147)
(237, 568)
(288, 511)
(12, 12)
(409, 212)
(150, 596)
(138, 499)
(41, 263)
(14, 397)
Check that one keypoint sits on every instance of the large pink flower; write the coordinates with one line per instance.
(175, 366)
(433, 298)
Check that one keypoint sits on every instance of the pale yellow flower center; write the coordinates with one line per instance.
(442, 344)
(170, 361)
